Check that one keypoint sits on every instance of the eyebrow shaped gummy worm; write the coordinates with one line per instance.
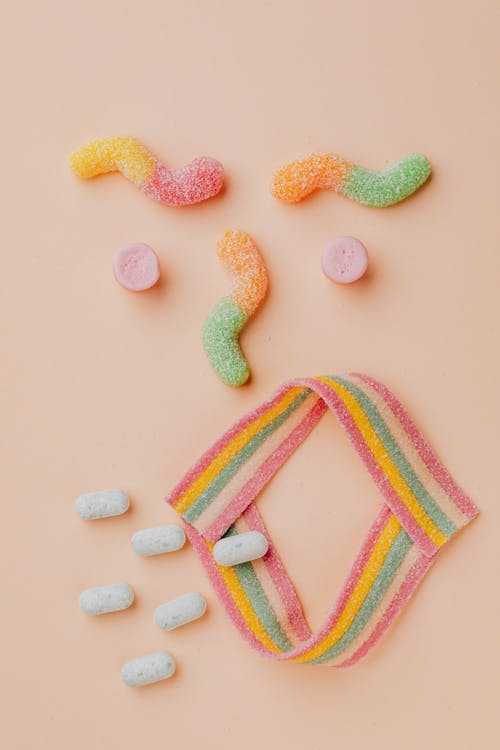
(194, 182)
(241, 257)
(299, 178)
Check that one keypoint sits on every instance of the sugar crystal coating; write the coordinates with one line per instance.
(194, 182)
(220, 335)
(241, 257)
(388, 186)
(297, 179)
(115, 154)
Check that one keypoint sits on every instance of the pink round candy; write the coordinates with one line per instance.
(344, 260)
(136, 267)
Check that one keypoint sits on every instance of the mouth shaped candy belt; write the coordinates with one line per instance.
(423, 508)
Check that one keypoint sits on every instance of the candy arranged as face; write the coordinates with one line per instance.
(422, 510)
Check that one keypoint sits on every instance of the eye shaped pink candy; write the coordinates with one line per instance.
(344, 260)
(136, 267)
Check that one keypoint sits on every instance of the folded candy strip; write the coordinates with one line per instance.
(423, 508)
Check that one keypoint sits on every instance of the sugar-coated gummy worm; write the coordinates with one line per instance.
(148, 669)
(200, 179)
(381, 188)
(241, 257)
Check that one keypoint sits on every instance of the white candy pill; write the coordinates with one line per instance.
(179, 611)
(103, 599)
(148, 669)
(102, 504)
(158, 540)
(240, 548)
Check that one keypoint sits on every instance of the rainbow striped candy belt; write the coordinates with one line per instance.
(423, 508)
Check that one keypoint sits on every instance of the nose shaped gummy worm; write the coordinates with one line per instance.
(381, 188)
(200, 179)
(241, 257)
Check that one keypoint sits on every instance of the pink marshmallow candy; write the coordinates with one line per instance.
(344, 260)
(136, 267)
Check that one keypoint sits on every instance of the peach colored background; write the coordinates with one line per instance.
(104, 388)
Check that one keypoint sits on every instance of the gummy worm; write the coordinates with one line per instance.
(200, 179)
(241, 257)
(330, 172)
(422, 509)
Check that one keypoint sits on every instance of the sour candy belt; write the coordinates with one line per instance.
(423, 508)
